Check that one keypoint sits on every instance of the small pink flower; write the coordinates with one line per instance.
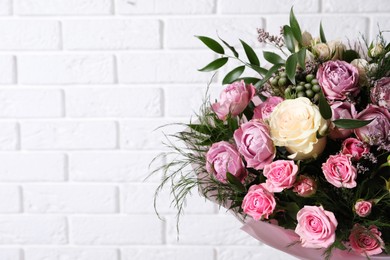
(259, 203)
(316, 227)
(342, 110)
(380, 93)
(355, 148)
(264, 110)
(366, 241)
(363, 208)
(339, 171)
(305, 186)
(280, 174)
(234, 99)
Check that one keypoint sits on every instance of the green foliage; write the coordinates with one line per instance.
(233, 75)
(250, 54)
(291, 66)
(325, 110)
(273, 58)
(295, 28)
(322, 34)
(289, 39)
(211, 44)
(351, 123)
(214, 65)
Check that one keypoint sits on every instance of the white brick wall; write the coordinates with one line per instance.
(83, 84)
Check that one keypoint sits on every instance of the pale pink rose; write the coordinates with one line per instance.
(223, 157)
(234, 99)
(339, 171)
(355, 148)
(264, 110)
(338, 79)
(376, 132)
(305, 186)
(366, 241)
(341, 110)
(280, 174)
(363, 208)
(259, 203)
(380, 93)
(254, 143)
(316, 227)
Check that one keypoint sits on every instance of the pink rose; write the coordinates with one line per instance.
(254, 143)
(366, 241)
(234, 99)
(264, 110)
(259, 203)
(342, 110)
(339, 171)
(316, 227)
(338, 79)
(380, 93)
(305, 186)
(354, 147)
(280, 174)
(222, 157)
(363, 208)
(376, 132)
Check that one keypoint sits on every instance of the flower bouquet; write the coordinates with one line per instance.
(300, 152)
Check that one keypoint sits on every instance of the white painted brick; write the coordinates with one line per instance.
(70, 198)
(164, 67)
(251, 253)
(30, 103)
(165, 253)
(68, 135)
(9, 139)
(7, 68)
(32, 167)
(5, 7)
(180, 31)
(10, 254)
(358, 6)
(70, 253)
(10, 199)
(183, 101)
(66, 7)
(116, 230)
(30, 34)
(123, 34)
(165, 7)
(65, 69)
(34, 230)
(268, 6)
(117, 102)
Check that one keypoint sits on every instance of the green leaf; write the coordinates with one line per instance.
(233, 75)
(235, 53)
(268, 75)
(322, 34)
(296, 30)
(301, 58)
(215, 64)
(350, 55)
(325, 110)
(291, 66)
(212, 44)
(235, 182)
(203, 129)
(273, 58)
(351, 123)
(250, 80)
(289, 38)
(250, 53)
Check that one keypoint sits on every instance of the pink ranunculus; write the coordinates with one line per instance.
(254, 143)
(338, 79)
(280, 174)
(342, 110)
(264, 110)
(339, 171)
(376, 132)
(366, 241)
(259, 203)
(305, 186)
(354, 147)
(380, 93)
(316, 227)
(234, 99)
(363, 208)
(223, 157)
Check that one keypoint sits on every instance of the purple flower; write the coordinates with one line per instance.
(380, 93)
(342, 110)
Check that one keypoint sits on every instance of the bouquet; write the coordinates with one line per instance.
(301, 149)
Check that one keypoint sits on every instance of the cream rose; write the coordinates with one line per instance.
(294, 123)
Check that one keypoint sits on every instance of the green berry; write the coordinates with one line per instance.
(274, 82)
(301, 94)
(301, 83)
(287, 91)
(300, 88)
(316, 88)
(314, 82)
(308, 86)
(316, 97)
(309, 93)
(282, 82)
(283, 74)
(309, 77)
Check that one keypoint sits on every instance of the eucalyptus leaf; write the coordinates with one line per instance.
(325, 110)
(214, 65)
(289, 38)
(273, 58)
(235, 53)
(322, 34)
(212, 44)
(295, 27)
(233, 75)
(351, 123)
(291, 67)
(250, 53)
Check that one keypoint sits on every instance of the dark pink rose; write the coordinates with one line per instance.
(254, 143)
(339, 171)
(376, 132)
(380, 93)
(363, 208)
(338, 79)
(316, 227)
(366, 241)
(341, 110)
(259, 203)
(354, 147)
(305, 186)
(234, 99)
(264, 110)
(280, 174)
(223, 157)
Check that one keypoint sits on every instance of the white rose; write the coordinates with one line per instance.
(376, 50)
(362, 66)
(322, 51)
(294, 123)
(336, 49)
